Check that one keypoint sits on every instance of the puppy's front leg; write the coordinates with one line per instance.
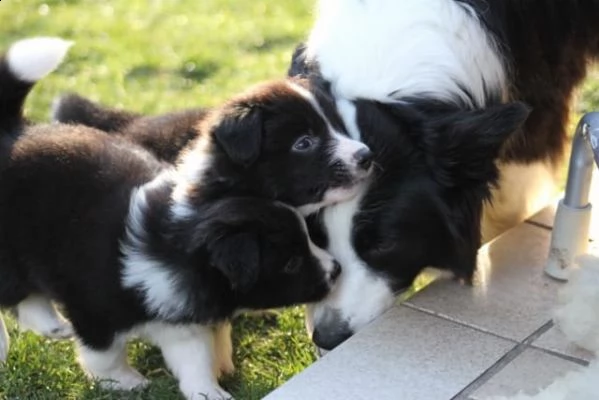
(223, 348)
(189, 353)
(110, 366)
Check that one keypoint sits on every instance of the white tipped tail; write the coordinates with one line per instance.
(32, 59)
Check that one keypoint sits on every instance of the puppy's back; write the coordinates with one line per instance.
(164, 135)
(69, 186)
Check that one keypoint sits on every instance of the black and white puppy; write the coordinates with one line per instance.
(432, 86)
(166, 136)
(129, 244)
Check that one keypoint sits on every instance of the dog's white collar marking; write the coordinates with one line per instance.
(406, 48)
(141, 271)
(190, 171)
(359, 295)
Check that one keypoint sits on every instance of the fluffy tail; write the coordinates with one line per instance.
(74, 109)
(25, 62)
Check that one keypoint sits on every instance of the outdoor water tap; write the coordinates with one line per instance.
(594, 141)
(570, 237)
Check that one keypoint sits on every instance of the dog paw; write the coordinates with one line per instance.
(226, 367)
(126, 380)
(62, 331)
(213, 392)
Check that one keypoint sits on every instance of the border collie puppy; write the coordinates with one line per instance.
(163, 135)
(129, 244)
(433, 87)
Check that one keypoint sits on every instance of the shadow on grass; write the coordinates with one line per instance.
(273, 43)
(190, 70)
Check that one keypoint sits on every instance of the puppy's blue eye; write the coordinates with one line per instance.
(304, 143)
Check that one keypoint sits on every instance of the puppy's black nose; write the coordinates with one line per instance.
(336, 270)
(364, 158)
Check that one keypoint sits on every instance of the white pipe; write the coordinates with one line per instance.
(570, 236)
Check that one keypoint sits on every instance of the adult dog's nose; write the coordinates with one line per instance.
(363, 158)
(329, 339)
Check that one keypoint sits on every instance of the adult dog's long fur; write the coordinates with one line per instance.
(428, 84)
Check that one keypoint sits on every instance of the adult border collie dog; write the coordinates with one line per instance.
(129, 244)
(434, 87)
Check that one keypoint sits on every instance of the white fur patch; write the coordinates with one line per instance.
(332, 197)
(389, 49)
(32, 59)
(38, 314)
(346, 149)
(158, 284)
(189, 352)
(359, 296)
(110, 366)
(190, 171)
(347, 111)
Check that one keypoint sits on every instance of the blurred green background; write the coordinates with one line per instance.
(153, 56)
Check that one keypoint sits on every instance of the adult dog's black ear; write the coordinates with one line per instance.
(239, 133)
(237, 256)
(462, 147)
(299, 66)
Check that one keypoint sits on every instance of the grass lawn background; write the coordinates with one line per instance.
(153, 56)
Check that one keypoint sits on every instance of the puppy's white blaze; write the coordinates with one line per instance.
(158, 284)
(4, 340)
(32, 59)
(406, 48)
(359, 296)
(346, 148)
(309, 97)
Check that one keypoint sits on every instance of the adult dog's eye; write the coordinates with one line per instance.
(293, 266)
(304, 143)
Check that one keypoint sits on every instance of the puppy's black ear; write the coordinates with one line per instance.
(462, 147)
(237, 256)
(239, 132)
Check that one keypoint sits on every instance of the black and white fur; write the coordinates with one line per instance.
(130, 244)
(432, 86)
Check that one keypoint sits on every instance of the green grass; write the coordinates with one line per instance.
(154, 56)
